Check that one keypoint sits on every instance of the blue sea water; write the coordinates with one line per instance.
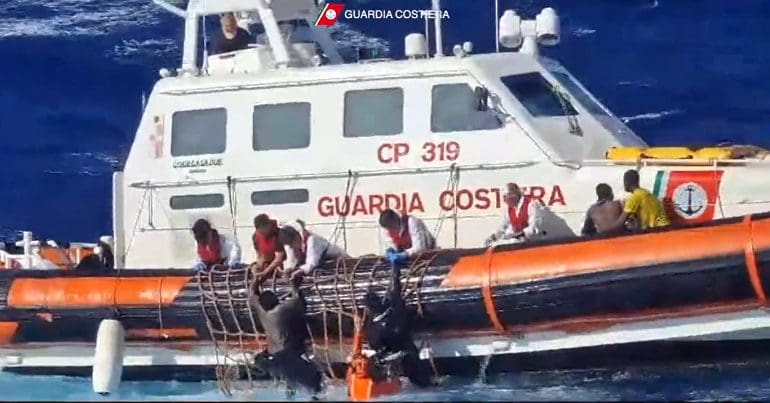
(72, 73)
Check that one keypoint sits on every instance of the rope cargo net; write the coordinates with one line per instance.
(333, 294)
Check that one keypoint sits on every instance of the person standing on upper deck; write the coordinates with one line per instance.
(270, 255)
(213, 247)
(408, 234)
(522, 220)
(231, 37)
(305, 250)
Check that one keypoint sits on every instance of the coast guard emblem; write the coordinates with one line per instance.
(688, 196)
(690, 200)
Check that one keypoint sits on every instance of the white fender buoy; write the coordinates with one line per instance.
(108, 357)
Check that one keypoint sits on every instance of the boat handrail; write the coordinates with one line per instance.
(370, 76)
(680, 162)
(329, 175)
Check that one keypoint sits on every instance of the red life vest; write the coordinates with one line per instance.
(211, 254)
(266, 246)
(521, 220)
(401, 239)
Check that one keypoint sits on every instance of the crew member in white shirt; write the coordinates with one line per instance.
(408, 236)
(522, 219)
(213, 247)
(305, 250)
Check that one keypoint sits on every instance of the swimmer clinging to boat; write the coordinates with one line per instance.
(284, 324)
(388, 330)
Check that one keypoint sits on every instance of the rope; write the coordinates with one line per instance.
(574, 124)
(342, 219)
(337, 290)
(231, 201)
(136, 222)
(452, 184)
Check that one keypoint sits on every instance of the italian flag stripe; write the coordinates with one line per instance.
(661, 184)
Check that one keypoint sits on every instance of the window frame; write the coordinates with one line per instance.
(500, 124)
(345, 112)
(309, 126)
(303, 191)
(572, 111)
(173, 127)
(194, 195)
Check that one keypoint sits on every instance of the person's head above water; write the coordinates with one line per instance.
(390, 219)
(604, 192)
(631, 180)
(202, 231)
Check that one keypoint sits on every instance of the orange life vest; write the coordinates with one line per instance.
(521, 220)
(266, 246)
(401, 239)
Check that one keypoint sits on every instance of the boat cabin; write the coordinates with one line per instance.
(287, 128)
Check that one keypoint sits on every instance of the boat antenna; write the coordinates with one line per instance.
(437, 27)
(497, 26)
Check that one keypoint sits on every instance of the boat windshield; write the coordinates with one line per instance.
(592, 106)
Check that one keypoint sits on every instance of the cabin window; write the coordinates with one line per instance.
(538, 95)
(281, 126)
(453, 109)
(571, 86)
(198, 132)
(288, 196)
(199, 201)
(376, 112)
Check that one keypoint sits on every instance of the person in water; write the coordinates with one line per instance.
(270, 254)
(231, 37)
(388, 330)
(408, 235)
(213, 247)
(641, 207)
(284, 324)
(603, 214)
(305, 250)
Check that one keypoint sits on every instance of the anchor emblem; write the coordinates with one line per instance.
(690, 200)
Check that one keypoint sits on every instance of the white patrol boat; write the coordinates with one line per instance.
(286, 128)
(269, 130)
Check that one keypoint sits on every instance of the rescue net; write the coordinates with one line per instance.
(333, 295)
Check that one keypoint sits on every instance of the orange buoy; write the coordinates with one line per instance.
(361, 386)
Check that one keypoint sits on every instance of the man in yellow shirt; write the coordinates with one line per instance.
(646, 209)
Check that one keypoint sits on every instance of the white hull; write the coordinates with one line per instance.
(742, 326)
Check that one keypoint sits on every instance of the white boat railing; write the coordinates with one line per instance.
(25, 259)
(31, 255)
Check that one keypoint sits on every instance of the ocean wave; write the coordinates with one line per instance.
(646, 84)
(75, 17)
(583, 31)
(347, 37)
(129, 49)
(650, 115)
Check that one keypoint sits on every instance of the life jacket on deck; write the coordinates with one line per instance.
(400, 236)
(521, 220)
(211, 254)
(266, 246)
